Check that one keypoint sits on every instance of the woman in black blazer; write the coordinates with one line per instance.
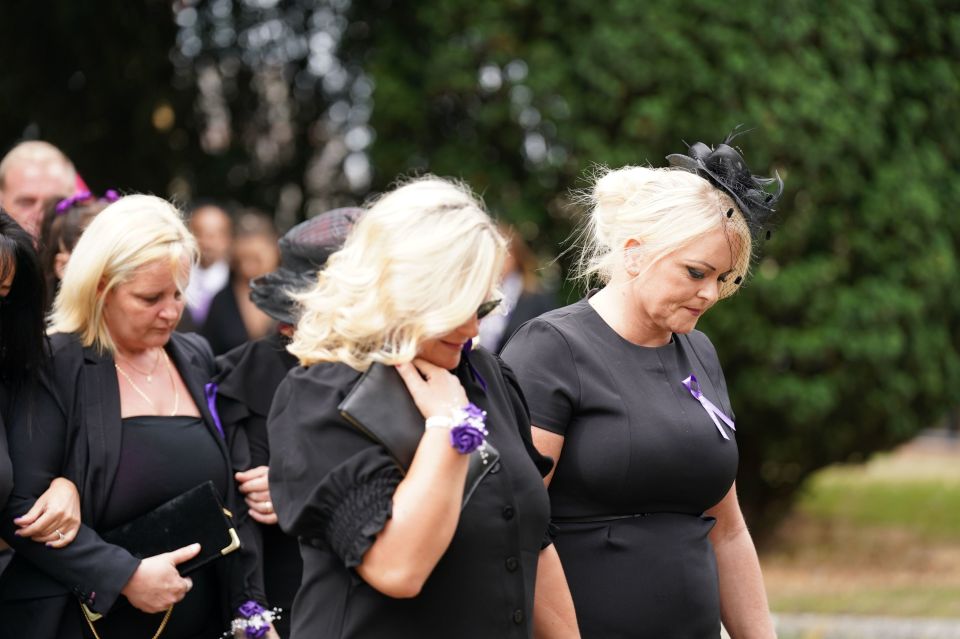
(121, 411)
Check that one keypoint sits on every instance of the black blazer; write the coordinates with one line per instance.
(71, 428)
(6, 470)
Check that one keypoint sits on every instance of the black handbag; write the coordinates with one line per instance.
(196, 516)
(380, 406)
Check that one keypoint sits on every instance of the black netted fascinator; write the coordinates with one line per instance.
(725, 168)
(304, 250)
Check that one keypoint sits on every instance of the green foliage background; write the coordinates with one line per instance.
(845, 341)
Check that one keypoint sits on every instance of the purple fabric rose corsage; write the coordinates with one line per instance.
(468, 432)
(254, 620)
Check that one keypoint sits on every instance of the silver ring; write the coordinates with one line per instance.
(60, 535)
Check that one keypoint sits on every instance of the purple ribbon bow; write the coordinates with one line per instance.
(692, 385)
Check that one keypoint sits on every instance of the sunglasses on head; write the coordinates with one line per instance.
(487, 307)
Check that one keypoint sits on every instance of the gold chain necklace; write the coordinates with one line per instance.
(146, 398)
(149, 375)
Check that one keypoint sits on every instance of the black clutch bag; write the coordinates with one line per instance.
(380, 406)
(196, 516)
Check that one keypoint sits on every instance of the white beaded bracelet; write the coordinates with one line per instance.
(439, 421)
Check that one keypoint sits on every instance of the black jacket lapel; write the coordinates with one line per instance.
(100, 403)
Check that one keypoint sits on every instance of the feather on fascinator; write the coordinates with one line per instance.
(725, 168)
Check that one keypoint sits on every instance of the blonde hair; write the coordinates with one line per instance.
(663, 209)
(41, 153)
(127, 235)
(417, 265)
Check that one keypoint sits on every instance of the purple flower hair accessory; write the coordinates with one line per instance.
(80, 197)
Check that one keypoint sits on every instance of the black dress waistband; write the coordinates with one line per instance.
(599, 519)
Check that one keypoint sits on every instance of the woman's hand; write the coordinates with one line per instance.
(435, 391)
(54, 518)
(255, 486)
(156, 585)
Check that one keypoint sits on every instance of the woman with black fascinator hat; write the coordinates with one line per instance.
(631, 401)
(247, 379)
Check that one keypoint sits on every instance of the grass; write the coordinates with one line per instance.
(916, 494)
(882, 538)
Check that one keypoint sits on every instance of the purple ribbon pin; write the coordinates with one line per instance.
(210, 391)
(692, 385)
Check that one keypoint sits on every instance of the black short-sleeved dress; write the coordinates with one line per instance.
(641, 462)
(333, 487)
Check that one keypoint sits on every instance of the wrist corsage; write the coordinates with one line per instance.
(253, 620)
(467, 430)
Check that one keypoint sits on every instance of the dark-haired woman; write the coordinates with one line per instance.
(63, 223)
(54, 517)
(247, 379)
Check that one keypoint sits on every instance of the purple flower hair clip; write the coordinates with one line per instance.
(81, 197)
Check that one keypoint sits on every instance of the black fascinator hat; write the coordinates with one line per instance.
(304, 250)
(725, 168)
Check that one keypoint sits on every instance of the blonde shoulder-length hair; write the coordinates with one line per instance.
(417, 265)
(127, 235)
(664, 209)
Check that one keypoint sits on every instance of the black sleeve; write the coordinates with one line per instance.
(543, 463)
(90, 567)
(544, 365)
(330, 484)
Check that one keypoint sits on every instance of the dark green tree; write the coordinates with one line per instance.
(845, 341)
(98, 83)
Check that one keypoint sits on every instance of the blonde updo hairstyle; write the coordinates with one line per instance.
(417, 265)
(131, 233)
(663, 209)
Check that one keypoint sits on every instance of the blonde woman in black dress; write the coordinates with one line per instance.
(388, 551)
(631, 401)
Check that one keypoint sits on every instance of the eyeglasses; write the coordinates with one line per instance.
(487, 307)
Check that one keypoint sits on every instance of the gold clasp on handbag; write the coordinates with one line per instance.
(234, 542)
